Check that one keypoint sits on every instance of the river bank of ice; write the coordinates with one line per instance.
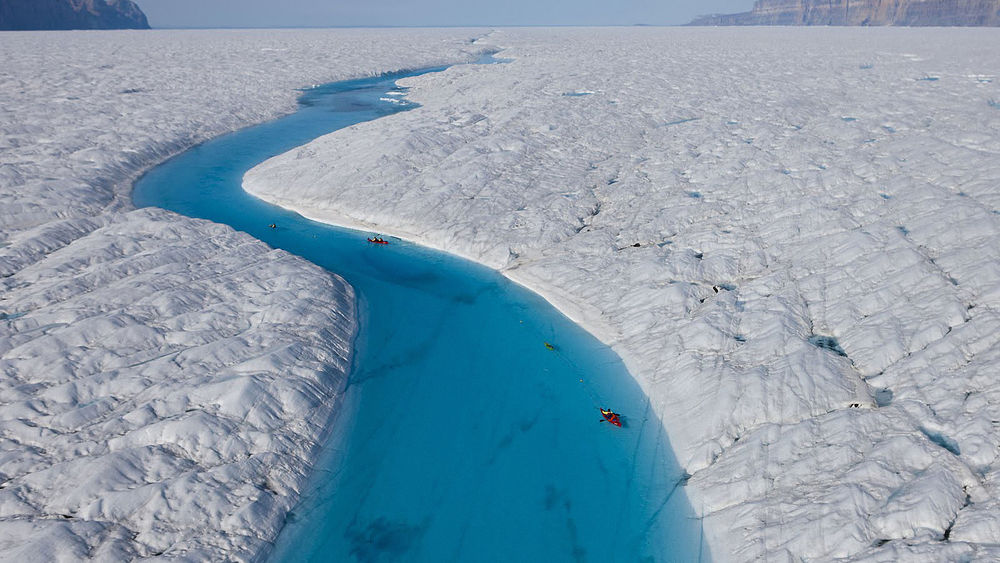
(790, 235)
(165, 380)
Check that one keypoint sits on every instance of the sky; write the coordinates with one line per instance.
(335, 13)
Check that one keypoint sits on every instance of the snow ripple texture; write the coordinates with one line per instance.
(792, 236)
(164, 382)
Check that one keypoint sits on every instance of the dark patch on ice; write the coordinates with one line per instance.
(612, 181)
(883, 397)
(679, 121)
(885, 196)
(963, 194)
(556, 499)
(579, 554)
(993, 103)
(383, 539)
(524, 427)
(465, 298)
(849, 119)
(694, 195)
(880, 542)
(928, 79)
(942, 440)
(636, 245)
(132, 90)
(889, 129)
(866, 66)
(576, 94)
(699, 255)
(588, 219)
(553, 498)
(725, 287)
(11, 316)
(903, 230)
(827, 343)
(946, 536)
(739, 338)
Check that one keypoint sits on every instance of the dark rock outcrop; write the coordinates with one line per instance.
(71, 14)
(863, 12)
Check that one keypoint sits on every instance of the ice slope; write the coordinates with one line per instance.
(164, 382)
(791, 236)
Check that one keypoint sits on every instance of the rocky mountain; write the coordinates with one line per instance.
(71, 14)
(863, 12)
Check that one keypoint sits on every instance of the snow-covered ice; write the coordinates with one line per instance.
(165, 381)
(792, 237)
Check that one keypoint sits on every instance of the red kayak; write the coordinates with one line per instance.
(378, 241)
(612, 417)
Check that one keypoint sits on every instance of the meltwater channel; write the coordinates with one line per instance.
(461, 436)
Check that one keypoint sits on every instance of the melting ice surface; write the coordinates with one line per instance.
(461, 436)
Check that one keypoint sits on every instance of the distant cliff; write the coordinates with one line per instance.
(70, 14)
(863, 12)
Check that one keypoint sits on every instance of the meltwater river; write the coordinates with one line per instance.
(461, 436)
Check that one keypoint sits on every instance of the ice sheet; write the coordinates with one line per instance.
(790, 235)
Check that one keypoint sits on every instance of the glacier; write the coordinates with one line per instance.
(166, 382)
(791, 236)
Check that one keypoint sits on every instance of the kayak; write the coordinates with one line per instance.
(612, 417)
(375, 241)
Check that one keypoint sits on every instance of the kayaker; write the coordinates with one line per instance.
(611, 417)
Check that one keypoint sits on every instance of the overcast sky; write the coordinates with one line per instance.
(332, 13)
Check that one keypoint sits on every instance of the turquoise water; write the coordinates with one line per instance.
(461, 436)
